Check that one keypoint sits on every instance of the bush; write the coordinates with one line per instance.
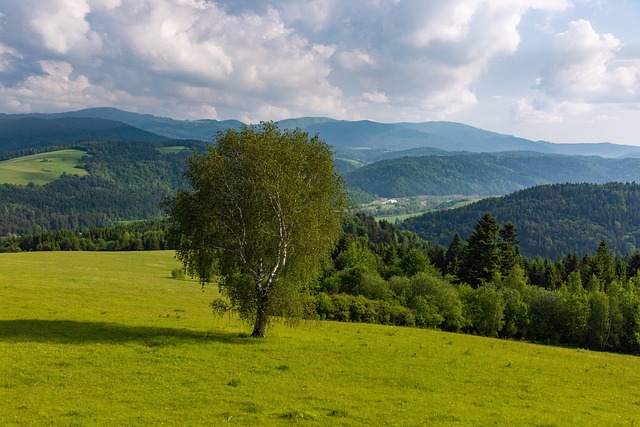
(177, 273)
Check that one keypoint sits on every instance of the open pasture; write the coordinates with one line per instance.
(41, 168)
(92, 338)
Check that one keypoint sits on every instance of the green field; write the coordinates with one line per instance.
(393, 218)
(110, 339)
(173, 149)
(41, 168)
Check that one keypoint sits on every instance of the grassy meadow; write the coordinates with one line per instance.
(41, 168)
(172, 149)
(90, 338)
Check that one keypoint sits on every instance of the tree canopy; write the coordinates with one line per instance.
(264, 210)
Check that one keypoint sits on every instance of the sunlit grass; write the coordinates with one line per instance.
(111, 339)
(41, 168)
(394, 218)
(173, 149)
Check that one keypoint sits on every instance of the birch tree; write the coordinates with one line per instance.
(264, 210)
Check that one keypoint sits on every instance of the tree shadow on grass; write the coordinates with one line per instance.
(74, 332)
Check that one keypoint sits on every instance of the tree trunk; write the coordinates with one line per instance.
(260, 327)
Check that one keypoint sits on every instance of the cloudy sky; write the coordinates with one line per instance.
(559, 70)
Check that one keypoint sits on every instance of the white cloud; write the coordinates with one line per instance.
(582, 74)
(585, 68)
(61, 25)
(386, 60)
(354, 59)
(377, 97)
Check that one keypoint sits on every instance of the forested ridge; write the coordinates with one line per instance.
(129, 180)
(485, 174)
(553, 219)
(126, 181)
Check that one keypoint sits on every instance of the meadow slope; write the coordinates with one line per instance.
(92, 338)
(41, 168)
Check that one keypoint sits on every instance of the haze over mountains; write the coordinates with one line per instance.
(364, 140)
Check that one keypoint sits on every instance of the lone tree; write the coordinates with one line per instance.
(264, 210)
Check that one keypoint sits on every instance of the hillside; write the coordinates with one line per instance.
(41, 168)
(123, 182)
(485, 174)
(30, 132)
(110, 338)
(552, 219)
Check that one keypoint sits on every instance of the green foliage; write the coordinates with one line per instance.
(265, 208)
(357, 308)
(483, 309)
(414, 262)
(481, 256)
(547, 315)
(177, 273)
(130, 236)
(436, 301)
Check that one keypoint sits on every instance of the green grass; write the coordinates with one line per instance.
(173, 149)
(110, 339)
(41, 168)
(393, 218)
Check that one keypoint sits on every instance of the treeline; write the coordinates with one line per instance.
(134, 236)
(483, 286)
(126, 181)
(553, 219)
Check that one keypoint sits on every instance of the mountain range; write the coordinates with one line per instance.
(361, 141)
(134, 161)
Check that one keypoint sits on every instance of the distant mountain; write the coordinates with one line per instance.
(448, 136)
(552, 219)
(363, 141)
(30, 132)
(485, 174)
(203, 130)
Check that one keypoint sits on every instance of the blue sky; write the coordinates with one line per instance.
(558, 70)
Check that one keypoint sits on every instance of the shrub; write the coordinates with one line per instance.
(177, 273)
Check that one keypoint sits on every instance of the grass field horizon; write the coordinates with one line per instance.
(99, 338)
(41, 168)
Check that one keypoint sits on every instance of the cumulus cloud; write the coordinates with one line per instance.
(62, 25)
(585, 68)
(263, 60)
(583, 74)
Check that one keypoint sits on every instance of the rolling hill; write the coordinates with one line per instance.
(123, 181)
(485, 174)
(552, 219)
